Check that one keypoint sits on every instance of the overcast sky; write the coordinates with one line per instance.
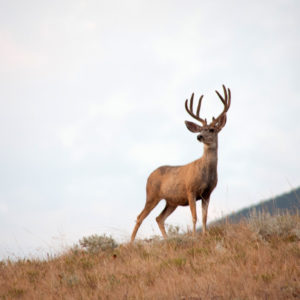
(92, 100)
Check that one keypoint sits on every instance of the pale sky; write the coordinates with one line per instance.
(92, 101)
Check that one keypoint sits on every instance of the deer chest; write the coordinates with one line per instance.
(205, 181)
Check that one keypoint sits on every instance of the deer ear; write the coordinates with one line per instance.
(222, 122)
(192, 126)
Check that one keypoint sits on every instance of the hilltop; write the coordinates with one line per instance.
(257, 259)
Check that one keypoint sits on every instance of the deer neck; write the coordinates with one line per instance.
(210, 155)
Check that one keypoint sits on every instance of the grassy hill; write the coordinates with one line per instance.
(285, 203)
(257, 259)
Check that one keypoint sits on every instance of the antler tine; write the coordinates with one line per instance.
(192, 103)
(225, 93)
(226, 102)
(199, 105)
(229, 98)
(190, 110)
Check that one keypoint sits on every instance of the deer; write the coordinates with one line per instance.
(184, 185)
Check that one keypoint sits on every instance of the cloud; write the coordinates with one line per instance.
(16, 57)
(3, 208)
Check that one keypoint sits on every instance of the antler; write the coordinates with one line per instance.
(190, 110)
(221, 119)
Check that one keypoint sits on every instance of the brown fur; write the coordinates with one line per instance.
(184, 185)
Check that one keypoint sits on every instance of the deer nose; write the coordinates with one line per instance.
(200, 137)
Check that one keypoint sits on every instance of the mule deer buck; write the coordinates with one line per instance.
(184, 185)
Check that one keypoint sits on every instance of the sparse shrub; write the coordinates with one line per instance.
(172, 230)
(265, 225)
(96, 243)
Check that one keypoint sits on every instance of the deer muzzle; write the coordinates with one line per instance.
(200, 137)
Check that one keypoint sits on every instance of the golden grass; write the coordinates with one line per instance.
(230, 262)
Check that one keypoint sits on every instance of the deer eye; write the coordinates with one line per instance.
(211, 130)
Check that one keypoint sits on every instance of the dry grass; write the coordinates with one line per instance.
(231, 262)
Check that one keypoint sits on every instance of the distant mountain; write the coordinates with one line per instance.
(288, 202)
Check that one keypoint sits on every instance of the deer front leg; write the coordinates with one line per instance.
(192, 203)
(205, 203)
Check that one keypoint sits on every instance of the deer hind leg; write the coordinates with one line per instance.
(145, 212)
(205, 203)
(162, 217)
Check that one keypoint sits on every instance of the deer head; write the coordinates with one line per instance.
(208, 132)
